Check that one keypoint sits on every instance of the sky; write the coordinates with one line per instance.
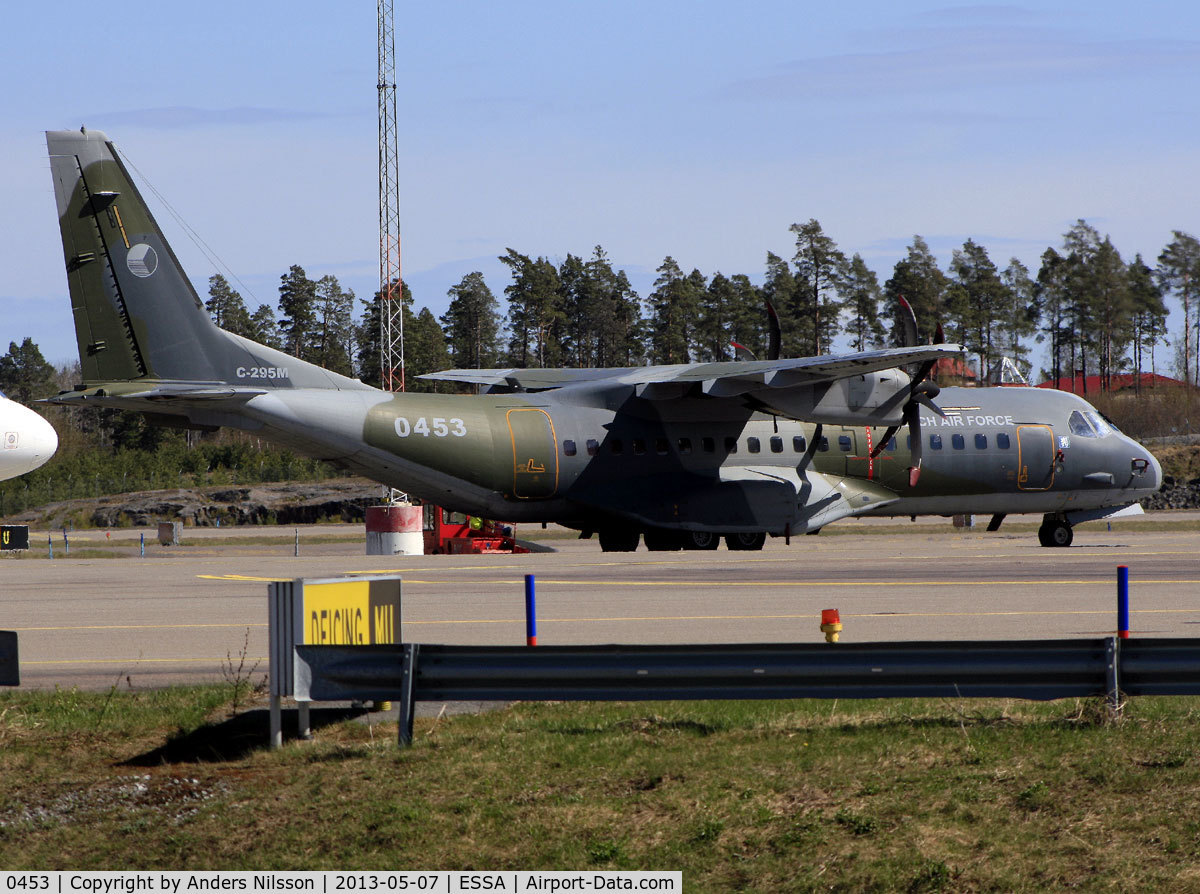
(691, 129)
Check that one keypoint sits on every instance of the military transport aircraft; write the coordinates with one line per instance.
(681, 456)
(28, 439)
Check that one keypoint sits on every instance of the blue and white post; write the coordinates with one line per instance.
(530, 611)
(1123, 601)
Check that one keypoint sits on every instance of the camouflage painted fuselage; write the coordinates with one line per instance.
(744, 447)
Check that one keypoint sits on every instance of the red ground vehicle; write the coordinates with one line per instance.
(454, 533)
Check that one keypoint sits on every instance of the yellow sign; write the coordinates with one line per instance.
(351, 613)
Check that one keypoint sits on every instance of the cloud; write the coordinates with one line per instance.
(184, 117)
(968, 60)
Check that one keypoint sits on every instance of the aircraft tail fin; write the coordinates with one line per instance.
(137, 316)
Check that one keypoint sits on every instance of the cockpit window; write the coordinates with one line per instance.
(1088, 425)
(1098, 422)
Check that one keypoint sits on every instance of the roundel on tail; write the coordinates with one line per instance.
(142, 260)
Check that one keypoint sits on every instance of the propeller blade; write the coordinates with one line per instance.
(887, 436)
(775, 333)
(924, 393)
(906, 323)
(741, 352)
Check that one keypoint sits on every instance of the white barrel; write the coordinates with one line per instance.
(395, 530)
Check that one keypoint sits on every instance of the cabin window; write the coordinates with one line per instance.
(981, 442)
(685, 446)
(958, 442)
(708, 445)
(731, 445)
(935, 442)
(569, 447)
(824, 445)
(776, 444)
(639, 446)
(753, 445)
(616, 446)
(1002, 441)
(844, 443)
(661, 446)
(799, 444)
(593, 446)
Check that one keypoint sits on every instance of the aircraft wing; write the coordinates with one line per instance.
(866, 388)
(723, 379)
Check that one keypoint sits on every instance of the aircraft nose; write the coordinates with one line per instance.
(44, 441)
(35, 444)
(1153, 476)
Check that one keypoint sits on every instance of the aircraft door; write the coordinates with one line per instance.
(858, 458)
(534, 452)
(1035, 457)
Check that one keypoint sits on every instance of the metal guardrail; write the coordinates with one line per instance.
(1035, 669)
(10, 668)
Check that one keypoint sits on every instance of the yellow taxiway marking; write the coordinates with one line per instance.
(1080, 582)
(631, 618)
(140, 627)
(244, 577)
(804, 617)
(136, 660)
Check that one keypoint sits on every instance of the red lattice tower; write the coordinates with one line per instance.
(391, 307)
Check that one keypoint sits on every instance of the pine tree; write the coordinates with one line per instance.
(984, 301)
(1112, 308)
(536, 318)
(264, 328)
(619, 327)
(674, 304)
(298, 304)
(24, 373)
(424, 348)
(748, 316)
(472, 324)
(1148, 314)
(1020, 318)
(1052, 295)
(917, 279)
(862, 303)
(822, 267)
(1178, 273)
(334, 335)
(784, 292)
(227, 308)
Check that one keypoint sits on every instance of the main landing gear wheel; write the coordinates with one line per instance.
(701, 540)
(619, 540)
(745, 541)
(1055, 532)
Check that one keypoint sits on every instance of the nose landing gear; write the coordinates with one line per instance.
(1055, 531)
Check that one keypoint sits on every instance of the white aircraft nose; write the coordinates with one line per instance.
(28, 447)
(1154, 473)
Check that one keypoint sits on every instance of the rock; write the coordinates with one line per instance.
(340, 500)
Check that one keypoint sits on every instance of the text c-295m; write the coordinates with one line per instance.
(262, 372)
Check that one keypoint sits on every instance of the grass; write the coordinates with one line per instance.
(762, 796)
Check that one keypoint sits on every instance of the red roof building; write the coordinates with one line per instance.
(1118, 382)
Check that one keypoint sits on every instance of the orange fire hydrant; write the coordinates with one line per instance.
(831, 624)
